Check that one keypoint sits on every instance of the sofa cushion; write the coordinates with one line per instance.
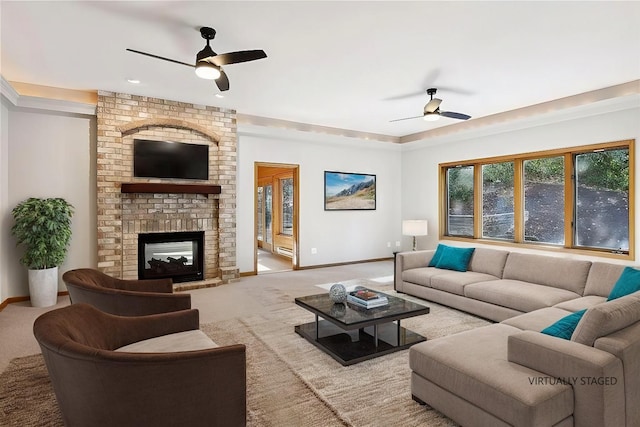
(606, 318)
(627, 283)
(564, 327)
(536, 320)
(421, 276)
(455, 282)
(522, 296)
(488, 261)
(473, 365)
(602, 277)
(455, 258)
(581, 303)
(556, 272)
(180, 341)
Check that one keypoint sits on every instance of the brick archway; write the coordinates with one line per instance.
(132, 127)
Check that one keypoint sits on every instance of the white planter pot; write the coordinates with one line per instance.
(43, 287)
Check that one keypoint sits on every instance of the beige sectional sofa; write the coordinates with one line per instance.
(510, 374)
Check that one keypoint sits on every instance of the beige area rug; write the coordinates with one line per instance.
(289, 381)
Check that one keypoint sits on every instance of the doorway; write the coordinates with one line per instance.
(276, 217)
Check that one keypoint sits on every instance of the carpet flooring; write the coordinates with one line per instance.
(289, 381)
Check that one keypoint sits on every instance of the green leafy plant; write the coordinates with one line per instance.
(43, 226)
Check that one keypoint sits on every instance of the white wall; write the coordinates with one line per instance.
(49, 155)
(338, 236)
(420, 160)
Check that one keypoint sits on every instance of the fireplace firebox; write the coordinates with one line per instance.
(179, 256)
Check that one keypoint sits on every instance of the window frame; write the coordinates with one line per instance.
(569, 199)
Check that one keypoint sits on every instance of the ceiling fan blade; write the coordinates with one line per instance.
(403, 96)
(432, 105)
(453, 115)
(237, 57)
(160, 57)
(406, 118)
(223, 81)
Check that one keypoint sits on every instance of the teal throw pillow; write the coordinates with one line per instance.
(628, 283)
(437, 255)
(455, 258)
(564, 327)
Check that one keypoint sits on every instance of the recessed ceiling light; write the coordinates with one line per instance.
(219, 95)
(134, 81)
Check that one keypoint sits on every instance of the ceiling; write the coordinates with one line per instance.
(349, 65)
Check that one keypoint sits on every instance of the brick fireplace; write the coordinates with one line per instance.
(181, 206)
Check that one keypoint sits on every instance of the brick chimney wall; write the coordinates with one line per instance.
(121, 217)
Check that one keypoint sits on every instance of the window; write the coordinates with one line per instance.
(286, 186)
(460, 201)
(544, 200)
(602, 199)
(264, 215)
(578, 198)
(497, 200)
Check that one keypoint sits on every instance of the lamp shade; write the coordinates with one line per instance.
(415, 227)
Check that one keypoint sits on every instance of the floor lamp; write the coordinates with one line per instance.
(415, 227)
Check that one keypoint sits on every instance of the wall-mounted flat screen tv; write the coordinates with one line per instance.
(161, 159)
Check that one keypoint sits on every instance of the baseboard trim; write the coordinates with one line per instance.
(338, 264)
(13, 300)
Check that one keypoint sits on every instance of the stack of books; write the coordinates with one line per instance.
(366, 298)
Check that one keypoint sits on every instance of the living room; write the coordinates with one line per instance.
(50, 146)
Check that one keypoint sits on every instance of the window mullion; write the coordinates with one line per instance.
(477, 201)
(569, 200)
(518, 202)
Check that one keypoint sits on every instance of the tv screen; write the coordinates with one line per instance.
(160, 159)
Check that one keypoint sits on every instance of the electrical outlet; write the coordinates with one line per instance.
(388, 244)
(314, 251)
(397, 244)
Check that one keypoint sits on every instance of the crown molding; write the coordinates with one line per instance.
(9, 92)
(48, 104)
(246, 119)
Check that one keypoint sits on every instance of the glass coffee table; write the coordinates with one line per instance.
(351, 334)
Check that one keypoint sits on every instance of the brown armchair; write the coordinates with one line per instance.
(97, 386)
(123, 297)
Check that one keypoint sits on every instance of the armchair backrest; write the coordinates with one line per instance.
(123, 297)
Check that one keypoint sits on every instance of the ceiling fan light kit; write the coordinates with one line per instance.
(209, 64)
(207, 70)
(431, 117)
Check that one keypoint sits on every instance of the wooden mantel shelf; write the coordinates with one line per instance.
(156, 187)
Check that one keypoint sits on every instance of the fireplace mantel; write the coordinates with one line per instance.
(157, 187)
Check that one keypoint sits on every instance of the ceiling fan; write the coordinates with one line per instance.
(209, 64)
(432, 110)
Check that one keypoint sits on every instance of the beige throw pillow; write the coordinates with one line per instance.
(607, 318)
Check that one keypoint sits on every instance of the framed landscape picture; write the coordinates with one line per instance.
(349, 191)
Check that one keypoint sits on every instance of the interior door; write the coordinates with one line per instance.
(276, 214)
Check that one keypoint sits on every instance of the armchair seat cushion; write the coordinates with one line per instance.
(180, 341)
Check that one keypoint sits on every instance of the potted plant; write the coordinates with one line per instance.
(43, 226)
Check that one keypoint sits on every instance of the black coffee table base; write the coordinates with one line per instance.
(353, 346)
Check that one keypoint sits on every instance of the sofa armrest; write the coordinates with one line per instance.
(595, 375)
(408, 260)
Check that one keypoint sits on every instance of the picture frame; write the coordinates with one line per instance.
(349, 191)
